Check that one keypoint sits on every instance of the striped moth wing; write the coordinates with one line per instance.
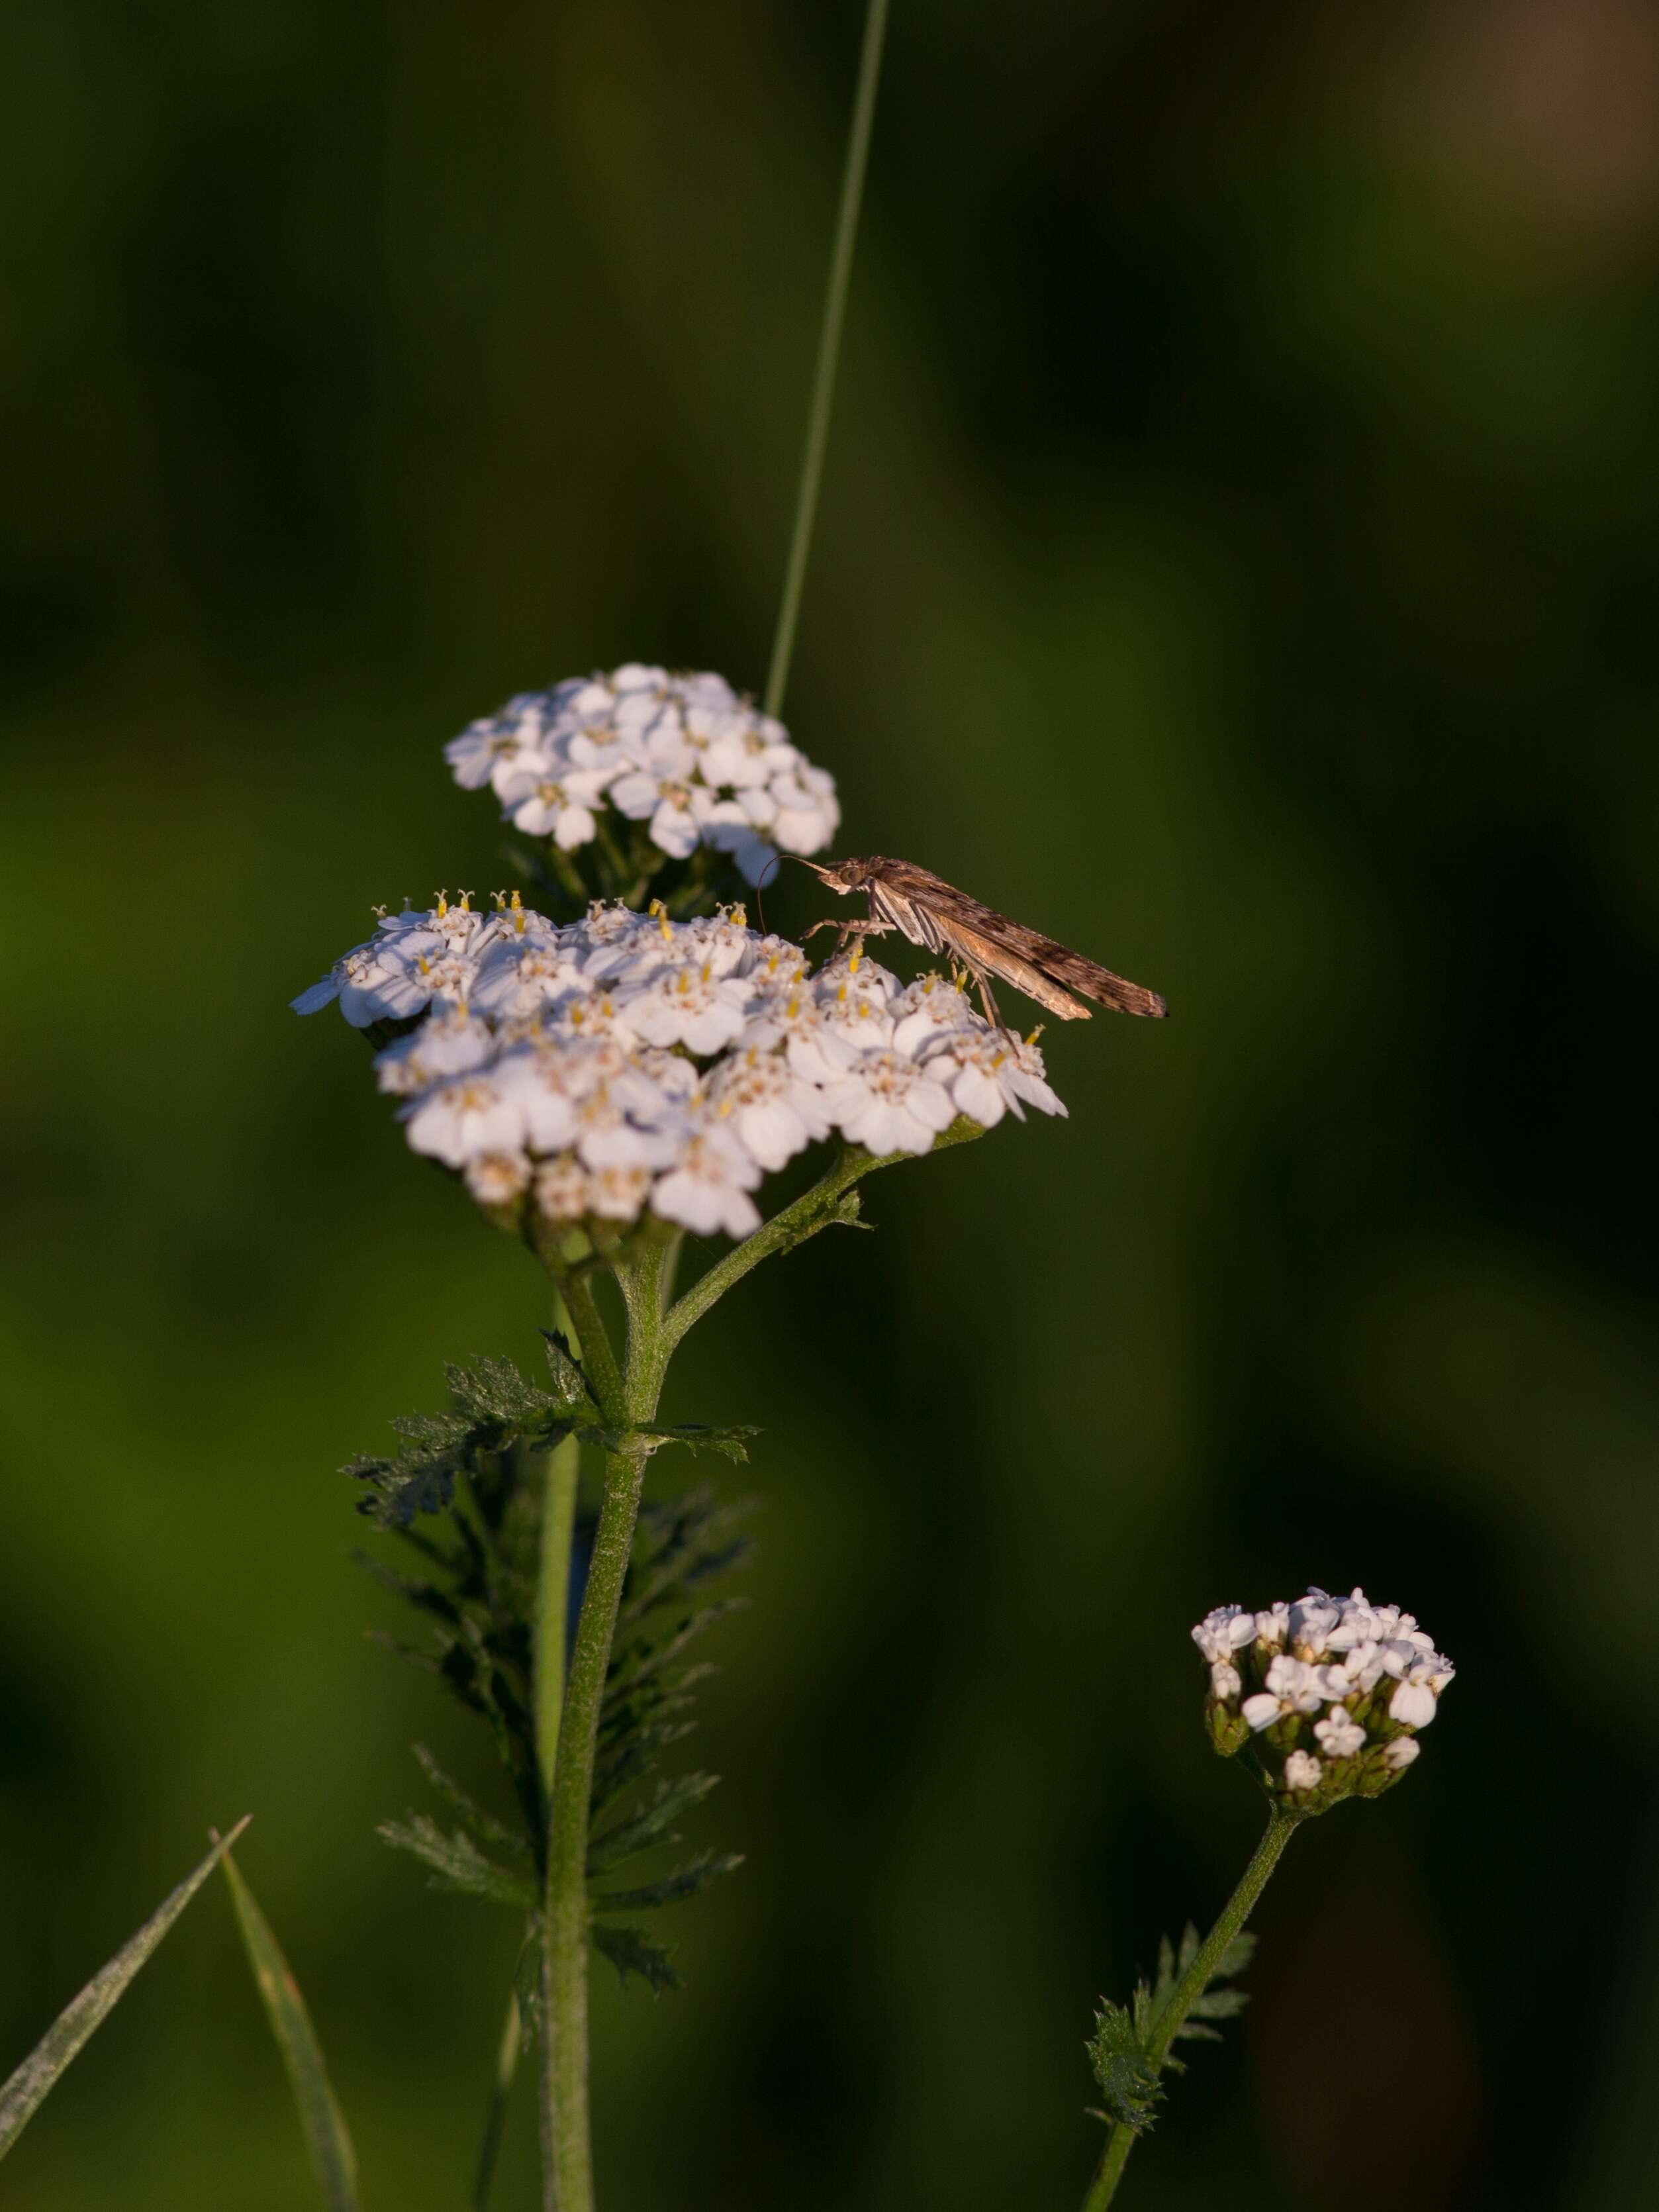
(939, 918)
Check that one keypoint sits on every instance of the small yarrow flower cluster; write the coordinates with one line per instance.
(682, 754)
(586, 1074)
(1327, 1694)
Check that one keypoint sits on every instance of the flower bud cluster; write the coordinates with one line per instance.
(1327, 1693)
(684, 754)
(623, 1064)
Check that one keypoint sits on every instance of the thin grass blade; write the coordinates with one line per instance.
(40, 2072)
(327, 2140)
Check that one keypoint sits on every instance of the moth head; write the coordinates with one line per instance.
(843, 876)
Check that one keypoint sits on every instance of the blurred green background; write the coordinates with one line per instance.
(1238, 557)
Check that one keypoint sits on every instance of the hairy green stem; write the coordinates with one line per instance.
(567, 2140)
(553, 1601)
(598, 1356)
(1189, 1988)
(506, 2065)
(815, 1209)
(824, 374)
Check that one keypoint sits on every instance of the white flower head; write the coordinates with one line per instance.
(1352, 1679)
(682, 752)
(627, 1063)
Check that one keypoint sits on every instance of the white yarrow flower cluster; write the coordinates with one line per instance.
(625, 1063)
(684, 754)
(1337, 1689)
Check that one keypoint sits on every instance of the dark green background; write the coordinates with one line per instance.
(1238, 557)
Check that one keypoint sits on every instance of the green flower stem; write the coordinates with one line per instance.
(815, 1209)
(553, 1601)
(628, 1393)
(506, 2065)
(567, 2140)
(599, 1356)
(1190, 1987)
(824, 374)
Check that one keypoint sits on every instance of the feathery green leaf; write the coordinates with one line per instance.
(685, 1882)
(652, 1823)
(458, 1863)
(631, 1951)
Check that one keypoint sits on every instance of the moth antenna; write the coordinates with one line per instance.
(776, 861)
(760, 885)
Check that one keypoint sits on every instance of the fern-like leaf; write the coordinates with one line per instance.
(458, 1863)
(631, 1951)
(1120, 2049)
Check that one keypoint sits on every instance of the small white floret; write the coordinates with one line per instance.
(1302, 1770)
(1224, 1630)
(498, 1178)
(1339, 1734)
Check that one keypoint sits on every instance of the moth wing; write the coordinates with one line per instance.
(1012, 942)
(914, 920)
(1100, 984)
(935, 913)
(982, 955)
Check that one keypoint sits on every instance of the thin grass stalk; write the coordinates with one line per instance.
(828, 358)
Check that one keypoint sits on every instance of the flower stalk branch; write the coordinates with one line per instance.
(1190, 1989)
(820, 1207)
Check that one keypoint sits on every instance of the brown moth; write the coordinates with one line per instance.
(932, 914)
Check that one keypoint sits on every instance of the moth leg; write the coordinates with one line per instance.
(844, 929)
(985, 999)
